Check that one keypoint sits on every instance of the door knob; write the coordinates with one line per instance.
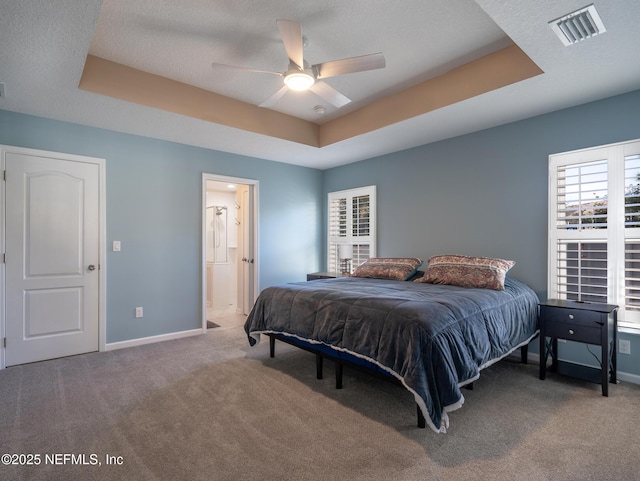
(91, 267)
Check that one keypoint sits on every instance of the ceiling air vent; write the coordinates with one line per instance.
(579, 25)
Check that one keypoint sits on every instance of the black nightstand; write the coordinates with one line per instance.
(324, 275)
(587, 322)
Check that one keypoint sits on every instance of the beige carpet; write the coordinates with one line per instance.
(211, 408)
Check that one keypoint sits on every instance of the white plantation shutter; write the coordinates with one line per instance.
(632, 276)
(582, 271)
(582, 196)
(632, 231)
(594, 227)
(352, 221)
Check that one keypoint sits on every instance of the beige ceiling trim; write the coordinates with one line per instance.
(493, 71)
(115, 80)
(499, 69)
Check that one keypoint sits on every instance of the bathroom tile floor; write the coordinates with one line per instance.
(226, 317)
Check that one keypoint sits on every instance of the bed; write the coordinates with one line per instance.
(432, 337)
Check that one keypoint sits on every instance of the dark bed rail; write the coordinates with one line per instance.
(340, 362)
(339, 367)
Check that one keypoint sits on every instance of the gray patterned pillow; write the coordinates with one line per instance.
(466, 271)
(398, 268)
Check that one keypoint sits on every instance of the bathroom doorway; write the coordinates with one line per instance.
(229, 250)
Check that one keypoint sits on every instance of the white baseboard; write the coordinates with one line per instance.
(626, 377)
(622, 376)
(112, 346)
(532, 356)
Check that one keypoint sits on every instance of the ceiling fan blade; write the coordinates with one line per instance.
(271, 101)
(349, 65)
(291, 34)
(216, 65)
(328, 93)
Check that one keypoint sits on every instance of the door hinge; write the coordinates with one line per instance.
(4, 342)
(4, 175)
(4, 258)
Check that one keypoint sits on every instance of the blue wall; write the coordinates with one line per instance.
(480, 194)
(154, 204)
(486, 193)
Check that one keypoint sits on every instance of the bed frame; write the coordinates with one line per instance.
(356, 363)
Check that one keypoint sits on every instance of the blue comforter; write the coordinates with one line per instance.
(433, 338)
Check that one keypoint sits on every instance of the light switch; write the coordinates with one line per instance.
(116, 246)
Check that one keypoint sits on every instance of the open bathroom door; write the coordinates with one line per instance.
(242, 237)
(246, 246)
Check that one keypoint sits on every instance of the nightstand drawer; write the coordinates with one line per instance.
(554, 315)
(574, 332)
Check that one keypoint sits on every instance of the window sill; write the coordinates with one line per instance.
(629, 328)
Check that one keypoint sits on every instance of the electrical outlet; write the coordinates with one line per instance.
(624, 346)
(139, 312)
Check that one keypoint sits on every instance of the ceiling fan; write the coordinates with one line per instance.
(302, 76)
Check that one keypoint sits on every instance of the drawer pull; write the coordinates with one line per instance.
(571, 331)
(570, 316)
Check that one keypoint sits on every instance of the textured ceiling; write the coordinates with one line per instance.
(168, 39)
(45, 44)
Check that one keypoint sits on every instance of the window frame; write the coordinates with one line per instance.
(332, 262)
(616, 235)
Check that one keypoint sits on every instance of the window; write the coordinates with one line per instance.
(352, 224)
(594, 227)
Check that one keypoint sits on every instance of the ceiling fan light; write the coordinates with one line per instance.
(299, 80)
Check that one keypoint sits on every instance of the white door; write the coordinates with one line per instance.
(248, 260)
(52, 257)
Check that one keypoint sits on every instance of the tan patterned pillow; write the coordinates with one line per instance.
(398, 268)
(466, 271)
